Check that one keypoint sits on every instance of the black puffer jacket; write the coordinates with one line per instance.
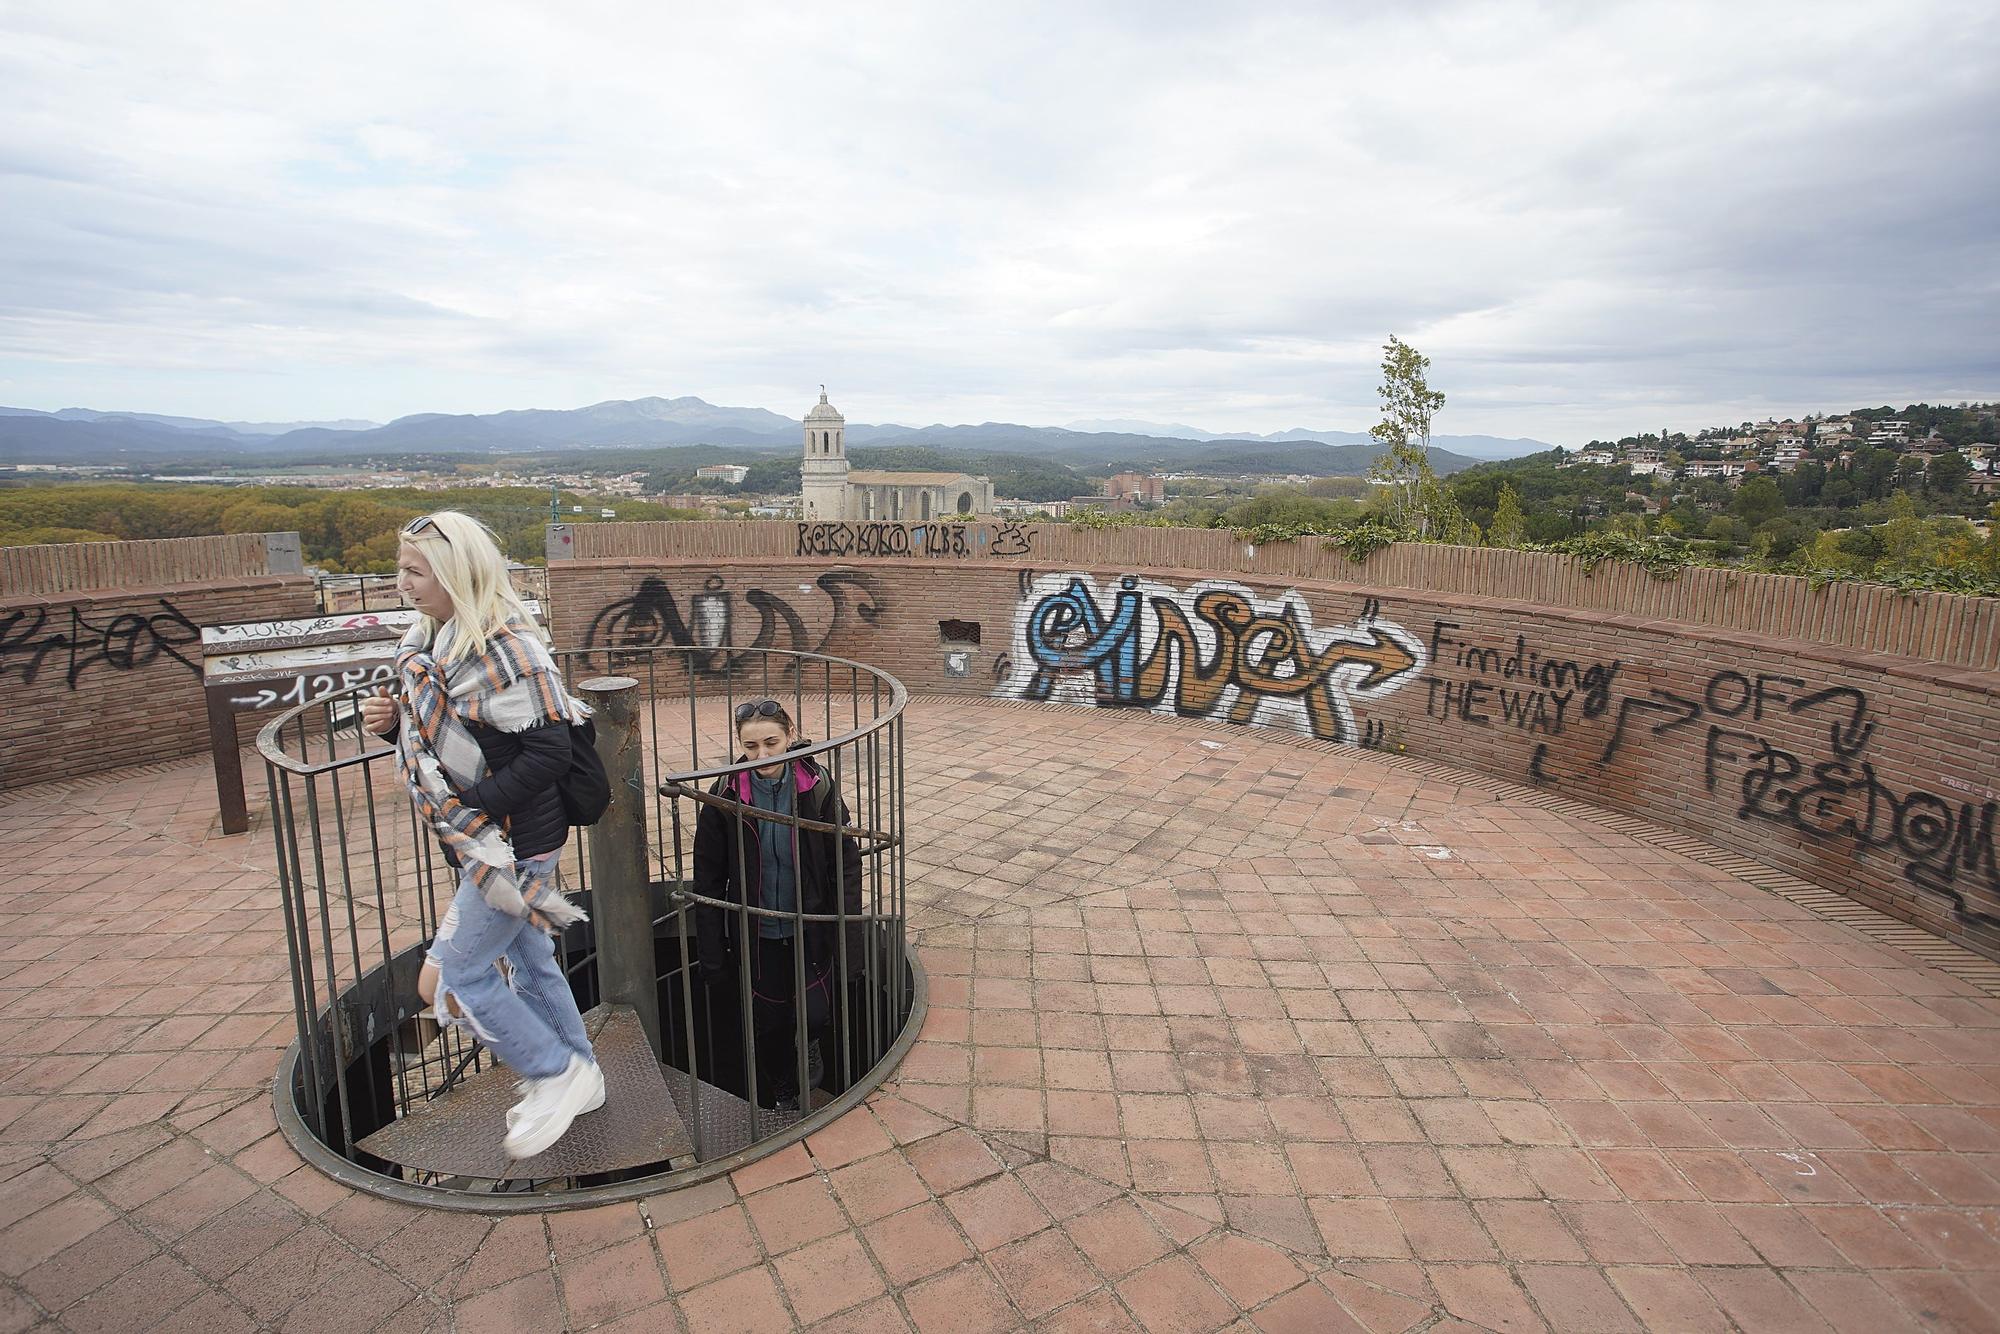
(520, 784)
(519, 789)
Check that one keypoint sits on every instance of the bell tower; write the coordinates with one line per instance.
(823, 475)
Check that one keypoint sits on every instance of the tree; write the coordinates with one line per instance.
(1510, 525)
(1757, 501)
(1947, 473)
(1408, 405)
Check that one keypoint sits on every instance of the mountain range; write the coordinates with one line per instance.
(84, 435)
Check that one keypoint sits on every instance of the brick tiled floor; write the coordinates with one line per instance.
(1225, 1033)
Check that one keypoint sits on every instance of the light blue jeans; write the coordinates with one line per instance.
(528, 1019)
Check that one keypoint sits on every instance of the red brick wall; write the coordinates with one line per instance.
(111, 678)
(1868, 774)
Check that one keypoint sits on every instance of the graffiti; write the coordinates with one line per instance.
(1936, 840)
(652, 618)
(1215, 650)
(253, 635)
(883, 539)
(1519, 689)
(1012, 539)
(1942, 845)
(129, 641)
(309, 689)
(1003, 666)
(935, 540)
(958, 662)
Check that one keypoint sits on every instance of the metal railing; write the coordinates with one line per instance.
(767, 1018)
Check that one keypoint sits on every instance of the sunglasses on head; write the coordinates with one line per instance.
(424, 523)
(758, 708)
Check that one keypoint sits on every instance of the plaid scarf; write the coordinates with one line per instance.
(512, 686)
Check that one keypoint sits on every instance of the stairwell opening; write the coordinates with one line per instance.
(709, 1061)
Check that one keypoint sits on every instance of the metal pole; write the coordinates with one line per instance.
(620, 904)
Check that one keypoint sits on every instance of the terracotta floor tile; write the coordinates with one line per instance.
(1443, 1230)
(1307, 1309)
(877, 1187)
(966, 1300)
(1042, 1272)
(1668, 1299)
(916, 1243)
(795, 1213)
(609, 1282)
(1118, 1237)
(1485, 1295)
(1528, 1230)
(828, 1276)
(1758, 1299)
(1577, 1297)
(746, 1303)
(1249, 1272)
(953, 1159)
(1363, 1229)
(1097, 1313)
(1173, 1296)
(707, 1247)
(996, 1212)
(1851, 1302)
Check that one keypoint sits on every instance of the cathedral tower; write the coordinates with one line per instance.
(824, 472)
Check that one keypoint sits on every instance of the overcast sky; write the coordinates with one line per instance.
(1595, 219)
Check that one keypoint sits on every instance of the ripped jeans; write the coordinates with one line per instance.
(528, 1018)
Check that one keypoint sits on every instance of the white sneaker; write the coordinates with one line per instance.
(522, 1087)
(544, 1116)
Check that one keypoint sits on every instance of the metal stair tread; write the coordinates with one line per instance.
(460, 1133)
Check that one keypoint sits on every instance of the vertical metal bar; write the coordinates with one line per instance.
(800, 1007)
(872, 956)
(746, 940)
(277, 783)
(838, 817)
(897, 970)
(332, 986)
(651, 743)
(382, 924)
(687, 982)
(346, 876)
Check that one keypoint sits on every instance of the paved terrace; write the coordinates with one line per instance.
(1226, 1032)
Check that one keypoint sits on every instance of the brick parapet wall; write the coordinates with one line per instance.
(1868, 773)
(1940, 627)
(77, 568)
(112, 677)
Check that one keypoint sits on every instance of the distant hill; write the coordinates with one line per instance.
(1477, 446)
(83, 435)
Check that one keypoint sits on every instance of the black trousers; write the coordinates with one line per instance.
(776, 1014)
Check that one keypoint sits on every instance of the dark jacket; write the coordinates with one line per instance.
(520, 784)
(519, 789)
(729, 868)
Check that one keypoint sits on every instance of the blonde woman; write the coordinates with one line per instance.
(482, 733)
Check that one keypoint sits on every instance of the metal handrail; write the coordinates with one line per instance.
(356, 868)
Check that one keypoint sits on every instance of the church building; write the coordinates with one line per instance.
(833, 492)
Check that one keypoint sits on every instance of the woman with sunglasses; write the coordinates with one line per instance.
(482, 730)
(742, 858)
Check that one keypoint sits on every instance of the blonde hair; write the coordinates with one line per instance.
(465, 560)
